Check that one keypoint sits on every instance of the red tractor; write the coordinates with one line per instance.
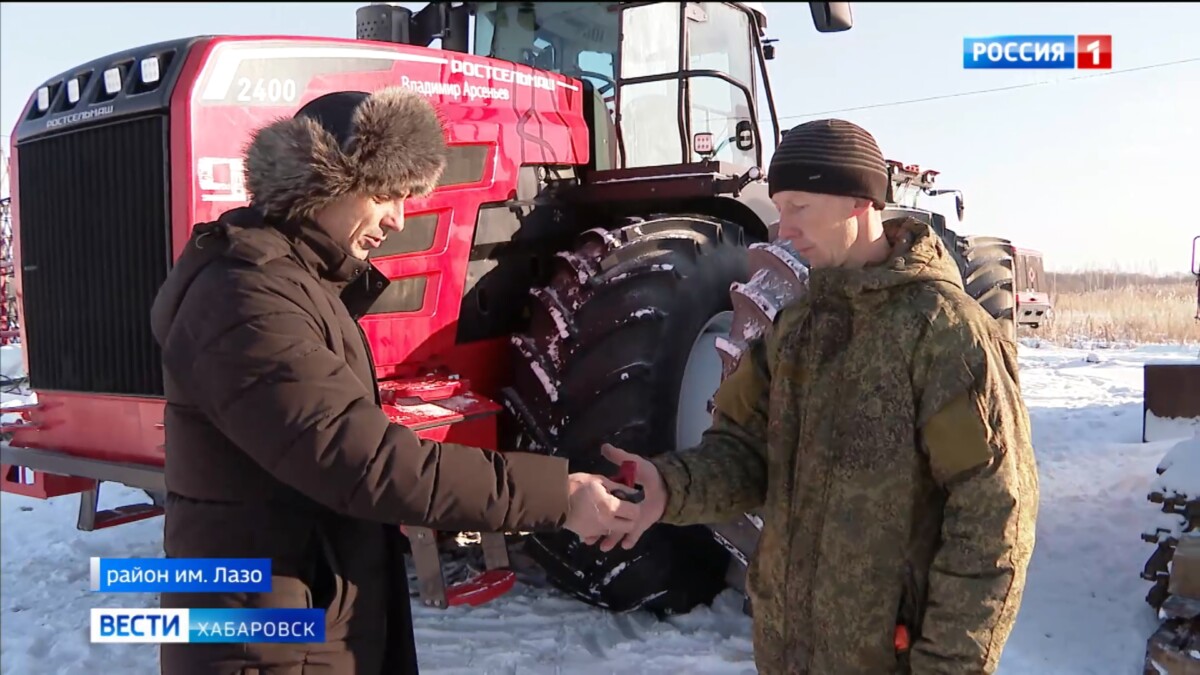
(564, 286)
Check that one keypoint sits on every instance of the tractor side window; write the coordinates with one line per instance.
(719, 38)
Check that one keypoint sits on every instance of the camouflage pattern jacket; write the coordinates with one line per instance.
(880, 432)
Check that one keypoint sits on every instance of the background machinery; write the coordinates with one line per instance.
(1174, 566)
(566, 284)
(1172, 390)
(1031, 287)
(9, 321)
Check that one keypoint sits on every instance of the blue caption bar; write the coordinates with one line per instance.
(1019, 52)
(256, 625)
(146, 625)
(181, 575)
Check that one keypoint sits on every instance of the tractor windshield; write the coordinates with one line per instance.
(576, 39)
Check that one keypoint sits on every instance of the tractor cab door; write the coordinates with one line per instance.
(687, 69)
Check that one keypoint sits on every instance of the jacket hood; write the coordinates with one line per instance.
(208, 242)
(244, 235)
(918, 255)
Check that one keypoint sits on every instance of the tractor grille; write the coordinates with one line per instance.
(95, 247)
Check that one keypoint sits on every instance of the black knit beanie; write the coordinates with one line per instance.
(830, 157)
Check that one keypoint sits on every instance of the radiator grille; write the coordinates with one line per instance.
(95, 247)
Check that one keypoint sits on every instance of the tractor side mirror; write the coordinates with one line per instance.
(831, 17)
(1196, 256)
(438, 20)
(958, 205)
(744, 133)
(768, 48)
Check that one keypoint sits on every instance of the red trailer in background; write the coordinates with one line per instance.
(1032, 294)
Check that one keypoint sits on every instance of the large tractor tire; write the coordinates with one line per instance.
(986, 265)
(620, 349)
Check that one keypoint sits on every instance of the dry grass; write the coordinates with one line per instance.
(1113, 307)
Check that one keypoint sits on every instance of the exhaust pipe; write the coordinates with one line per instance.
(384, 22)
(390, 22)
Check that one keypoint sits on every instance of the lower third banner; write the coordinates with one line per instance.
(207, 625)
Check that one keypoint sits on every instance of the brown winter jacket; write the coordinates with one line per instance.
(276, 447)
(880, 432)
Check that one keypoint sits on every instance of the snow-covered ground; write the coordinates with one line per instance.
(1083, 613)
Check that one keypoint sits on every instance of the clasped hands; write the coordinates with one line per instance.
(597, 515)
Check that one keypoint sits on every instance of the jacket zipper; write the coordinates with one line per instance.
(362, 334)
(807, 330)
(822, 504)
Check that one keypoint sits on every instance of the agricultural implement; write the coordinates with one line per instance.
(1172, 392)
(568, 283)
(1174, 567)
(9, 331)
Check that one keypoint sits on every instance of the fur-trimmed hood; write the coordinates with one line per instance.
(391, 142)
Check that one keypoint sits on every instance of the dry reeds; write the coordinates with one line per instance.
(1120, 308)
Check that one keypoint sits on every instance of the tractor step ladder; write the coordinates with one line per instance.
(497, 580)
(430, 406)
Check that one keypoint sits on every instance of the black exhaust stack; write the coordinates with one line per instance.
(383, 22)
(388, 22)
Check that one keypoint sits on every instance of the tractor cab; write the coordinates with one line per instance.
(666, 83)
(906, 184)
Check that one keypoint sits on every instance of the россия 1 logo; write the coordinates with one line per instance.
(1038, 52)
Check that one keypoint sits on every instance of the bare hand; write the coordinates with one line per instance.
(594, 512)
(653, 506)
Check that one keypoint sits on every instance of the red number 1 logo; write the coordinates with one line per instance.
(1093, 52)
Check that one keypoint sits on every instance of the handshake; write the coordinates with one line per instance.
(596, 512)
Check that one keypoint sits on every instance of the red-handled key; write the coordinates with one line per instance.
(627, 476)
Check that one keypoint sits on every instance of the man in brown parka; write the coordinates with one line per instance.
(276, 446)
(878, 429)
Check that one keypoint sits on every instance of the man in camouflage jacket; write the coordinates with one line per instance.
(879, 430)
